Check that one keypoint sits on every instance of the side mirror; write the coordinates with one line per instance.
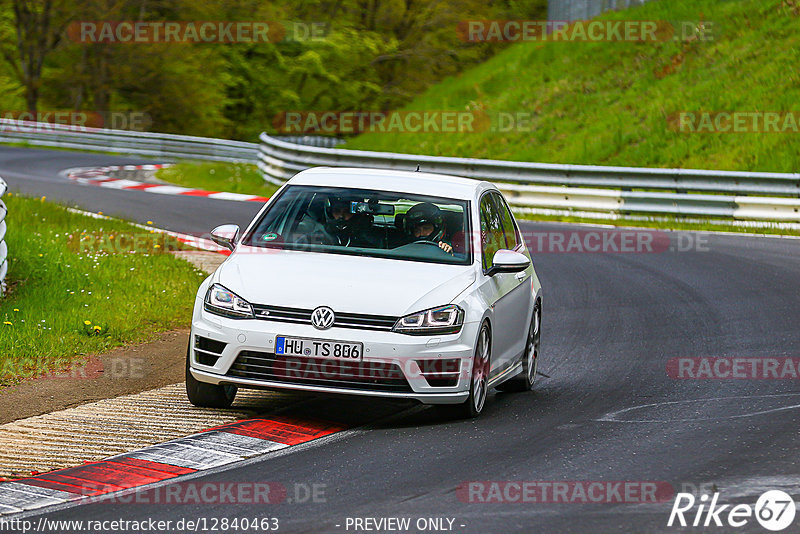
(508, 261)
(225, 235)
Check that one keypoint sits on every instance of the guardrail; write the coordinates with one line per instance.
(567, 188)
(3, 246)
(570, 10)
(540, 186)
(125, 141)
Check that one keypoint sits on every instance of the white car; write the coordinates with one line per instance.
(370, 282)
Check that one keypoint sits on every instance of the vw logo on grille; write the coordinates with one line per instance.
(322, 318)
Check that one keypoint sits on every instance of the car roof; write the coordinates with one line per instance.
(423, 183)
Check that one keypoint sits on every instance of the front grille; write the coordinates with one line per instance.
(371, 376)
(343, 320)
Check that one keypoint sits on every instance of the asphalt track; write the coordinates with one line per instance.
(612, 322)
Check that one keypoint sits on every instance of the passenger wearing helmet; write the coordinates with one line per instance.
(345, 227)
(424, 222)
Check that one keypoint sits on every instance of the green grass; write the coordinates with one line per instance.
(242, 178)
(67, 270)
(612, 102)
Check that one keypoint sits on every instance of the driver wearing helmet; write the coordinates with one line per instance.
(424, 222)
(345, 227)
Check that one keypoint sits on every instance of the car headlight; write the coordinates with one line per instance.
(221, 301)
(442, 320)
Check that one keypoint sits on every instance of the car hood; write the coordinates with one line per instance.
(351, 284)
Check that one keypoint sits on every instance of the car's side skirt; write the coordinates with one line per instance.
(510, 372)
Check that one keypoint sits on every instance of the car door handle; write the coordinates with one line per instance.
(521, 276)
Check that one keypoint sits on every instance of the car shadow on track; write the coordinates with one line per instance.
(376, 413)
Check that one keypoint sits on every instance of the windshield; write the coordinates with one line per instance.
(366, 223)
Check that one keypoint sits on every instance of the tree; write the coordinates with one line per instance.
(38, 26)
(374, 55)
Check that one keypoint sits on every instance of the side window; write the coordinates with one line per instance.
(509, 229)
(492, 238)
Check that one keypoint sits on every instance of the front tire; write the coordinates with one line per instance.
(526, 378)
(479, 380)
(207, 395)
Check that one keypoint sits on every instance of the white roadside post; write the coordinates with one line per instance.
(3, 246)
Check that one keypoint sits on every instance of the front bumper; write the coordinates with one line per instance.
(394, 365)
(426, 398)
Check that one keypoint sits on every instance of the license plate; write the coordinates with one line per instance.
(318, 348)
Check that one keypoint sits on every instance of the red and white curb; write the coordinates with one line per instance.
(99, 176)
(212, 448)
(197, 242)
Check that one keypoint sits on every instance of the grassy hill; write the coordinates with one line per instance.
(614, 102)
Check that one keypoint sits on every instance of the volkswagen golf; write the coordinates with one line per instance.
(370, 282)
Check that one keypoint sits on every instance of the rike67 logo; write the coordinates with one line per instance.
(774, 510)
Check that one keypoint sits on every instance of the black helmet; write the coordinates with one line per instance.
(337, 203)
(341, 226)
(423, 213)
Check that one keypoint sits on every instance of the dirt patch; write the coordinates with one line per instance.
(121, 371)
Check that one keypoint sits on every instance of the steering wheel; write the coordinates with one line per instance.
(433, 243)
(426, 241)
